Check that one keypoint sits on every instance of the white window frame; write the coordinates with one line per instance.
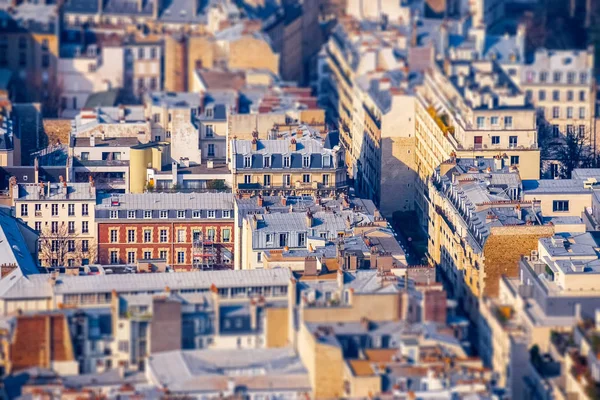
(114, 214)
(226, 213)
(147, 214)
(196, 214)
(181, 214)
(211, 214)
(164, 214)
(131, 214)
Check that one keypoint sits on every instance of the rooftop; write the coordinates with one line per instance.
(56, 191)
(210, 371)
(167, 201)
(175, 99)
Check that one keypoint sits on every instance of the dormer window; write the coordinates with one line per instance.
(247, 162)
(326, 161)
(286, 161)
(209, 112)
(305, 161)
(267, 162)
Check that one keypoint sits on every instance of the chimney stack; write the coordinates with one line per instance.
(259, 200)
(92, 140)
(309, 219)
(293, 144)
(254, 144)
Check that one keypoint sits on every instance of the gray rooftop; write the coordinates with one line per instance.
(74, 192)
(209, 371)
(175, 99)
(39, 286)
(167, 201)
(305, 144)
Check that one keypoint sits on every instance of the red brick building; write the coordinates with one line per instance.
(186, 230)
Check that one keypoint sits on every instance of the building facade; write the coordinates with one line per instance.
(187, 231)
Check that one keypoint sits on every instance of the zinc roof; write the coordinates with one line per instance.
(173, 201)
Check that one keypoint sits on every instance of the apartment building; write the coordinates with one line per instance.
(300, 163)
(473, 109)
(375, 109)
(479, 226)
(553, 292)
(560, 85)
(86, 70)
(143, 63)
(187, 231)
(63, 215)
(29, 47)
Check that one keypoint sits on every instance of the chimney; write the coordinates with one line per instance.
(340, 279)
(122, 114)
(259, 200)
(293, 144)
(36, 170)
(48, 194)
(498, 163)
(310, 266)
(519, 212)
(254, 144)
(461, 80)
(413, 32)
(283, 201)
(92, 140)
(366, 324)
(253, 315)
(309, 219)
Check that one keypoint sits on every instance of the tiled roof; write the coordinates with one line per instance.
(75, 191)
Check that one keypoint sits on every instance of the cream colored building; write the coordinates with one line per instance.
(62, 213)
(472, 109)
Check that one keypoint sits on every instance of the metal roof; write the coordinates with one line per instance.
(75, 191)
(168, 201)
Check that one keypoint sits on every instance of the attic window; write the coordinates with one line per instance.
(209, 113)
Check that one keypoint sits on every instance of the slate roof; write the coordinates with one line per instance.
(168, 201)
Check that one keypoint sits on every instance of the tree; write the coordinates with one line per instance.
(59, 247)
(216, 184)
(576, 152)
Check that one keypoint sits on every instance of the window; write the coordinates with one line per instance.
(71, 245)
(494, 121)
(571, 77)
(181, 236)
(163, 235)
(131, 236)
(211, 150)
(23, 210)
(84, 227)
(581, 130)
(210, 131)
(306, 178)
(157, 138)
(156, 118)
(555, 95)
(266, 161)
(302, 239)
(153, 53)
(512, 141)
(582, 95)
(267, 180)
(542, 95)
(478, 142)
(210, 233)
(508, 122)
(480, 122)
(283, 239)
(570, 95)
(153, 83)
(560, 205)
(113, 236)
(181, 257)
(131, 214)
(269, 238)
(325, 179)
(71, 226)
(38, 226)
(543, 76)
(583, 78)
(22, 59)
(54, 227)
(286, 161)
(211, 214)
(38, 210)
(495, 139)
(147, 255)
(555, 112)
(162, 254)
(570, 129)
(147, 214)
(54, 210)
(226, 235)
(196, 214)
(180, 214)
(569, 112)
(582, 112)
(247, 162)
(140, 52)
(170, 117)
(131, 257)
(326, 161)
(164, 214)
(306, 161)
(226, 214)
(147, 235)
(557, 77)
(514, 160)
(85, 245)
(247, 179)
(167, 134)
(209, 112)
(114, 257)
(114, 214)
(287, 180)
